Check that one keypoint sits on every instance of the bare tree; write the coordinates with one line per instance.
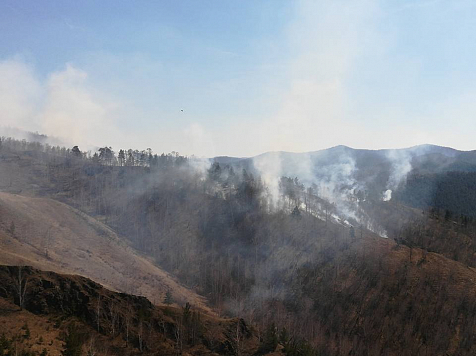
(127, 321)
(178, 333)
(91, 347)
(140, 334)
(114, 316)
(20, 283)
(98, 311)
(238, 340)
(163, 326)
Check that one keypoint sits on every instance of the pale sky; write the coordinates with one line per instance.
(250, 76)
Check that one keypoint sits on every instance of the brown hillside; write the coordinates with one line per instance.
(106, 322)
(53, 236)
(375, 297)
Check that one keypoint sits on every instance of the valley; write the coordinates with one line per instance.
(309, 271)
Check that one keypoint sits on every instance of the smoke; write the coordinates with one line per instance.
(74, 111)
(200, 165)
(337, 179)
(20, 95)
(335, 174)
(401, 165)
(327, 40)
(270, 170)
(63, 105)
(19, 134)
(331, 171)
(197, 139)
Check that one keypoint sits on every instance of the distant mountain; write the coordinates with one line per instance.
(425, 157)
(415, 175)
(226, 159)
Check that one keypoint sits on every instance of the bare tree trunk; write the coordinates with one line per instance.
(178, 332)
(128, 317)
(98, 311)
(113, 313)
(91, 348)
(20, 282)
(140, 335)
(238, 340)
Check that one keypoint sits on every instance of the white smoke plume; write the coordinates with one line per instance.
(63, 105)
(20, 95)
(269, 168)
(401, 166)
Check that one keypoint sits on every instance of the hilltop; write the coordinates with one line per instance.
(422, 176)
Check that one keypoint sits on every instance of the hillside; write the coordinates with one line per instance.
(66, 313)
(280, 256)
(454, 191)
(430, 158)
(422, 176)
(50, 235)
(376, 297)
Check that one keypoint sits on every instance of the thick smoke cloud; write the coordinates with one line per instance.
(20, 95)
(74, 111)
(62, 105)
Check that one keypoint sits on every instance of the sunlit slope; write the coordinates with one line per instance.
(51, 235)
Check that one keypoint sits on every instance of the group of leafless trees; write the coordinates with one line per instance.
(19, 279)
(281, 265)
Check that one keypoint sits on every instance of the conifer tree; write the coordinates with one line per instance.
(168, 298)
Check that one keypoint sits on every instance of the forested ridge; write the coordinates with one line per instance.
(454, 191)
(283, 262)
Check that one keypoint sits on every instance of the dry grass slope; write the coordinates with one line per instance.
(50, 235)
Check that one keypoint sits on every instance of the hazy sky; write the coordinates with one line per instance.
(251, 76)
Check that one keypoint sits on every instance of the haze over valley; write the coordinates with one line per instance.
(237, 178)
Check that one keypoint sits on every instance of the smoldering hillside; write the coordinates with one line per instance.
(422, 176)
(268, 243)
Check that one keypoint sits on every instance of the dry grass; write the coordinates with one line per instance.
(43, 333)
(50, 235)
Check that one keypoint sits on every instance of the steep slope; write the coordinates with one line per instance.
(22, 331)
(371, 296)
(73, 312)
(51, 235)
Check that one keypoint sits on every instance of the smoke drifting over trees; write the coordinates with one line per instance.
(294, 251)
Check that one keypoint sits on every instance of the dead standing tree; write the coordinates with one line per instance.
(20, 283)
(98, 312)
(237, 339)
(127, 321)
